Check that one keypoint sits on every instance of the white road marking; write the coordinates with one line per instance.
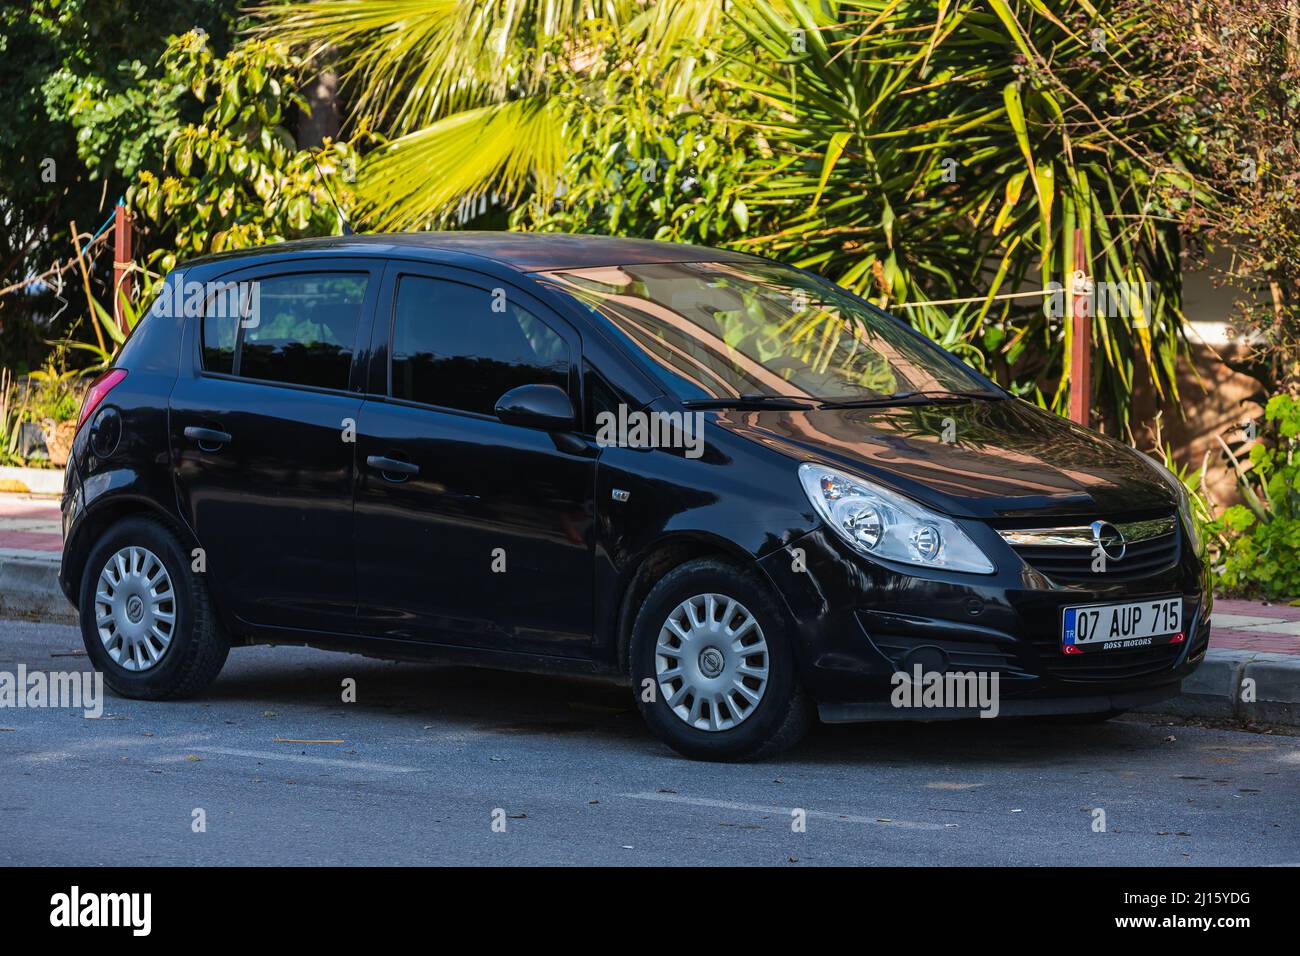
(783, 811)
(303, 758)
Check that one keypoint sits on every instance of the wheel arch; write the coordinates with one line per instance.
(661, 557)
(98, 519)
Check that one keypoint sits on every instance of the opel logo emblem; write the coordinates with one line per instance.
(711, 663)
(1110, 539)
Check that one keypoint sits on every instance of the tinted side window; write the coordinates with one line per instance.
(302, 328)
(452, 348)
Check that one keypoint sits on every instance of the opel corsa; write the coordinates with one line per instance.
(750, 494)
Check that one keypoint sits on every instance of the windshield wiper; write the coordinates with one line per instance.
(790, 402)
(918, 397)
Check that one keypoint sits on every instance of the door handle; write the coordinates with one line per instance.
(391, 466)
(207, 437)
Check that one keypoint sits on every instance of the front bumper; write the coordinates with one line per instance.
(858, 623)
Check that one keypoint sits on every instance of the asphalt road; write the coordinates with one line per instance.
(431, 757)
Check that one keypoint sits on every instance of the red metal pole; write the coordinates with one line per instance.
(121, 262)
(1081, 342)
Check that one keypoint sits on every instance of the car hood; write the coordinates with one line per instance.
(975, 459)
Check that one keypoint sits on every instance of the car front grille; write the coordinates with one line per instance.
(1106, 665)
(1068, 553)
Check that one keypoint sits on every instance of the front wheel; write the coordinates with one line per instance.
(146, 619)
(713, 668)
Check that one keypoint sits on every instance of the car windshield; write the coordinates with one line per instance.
(720, 330)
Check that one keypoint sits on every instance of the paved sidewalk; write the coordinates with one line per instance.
(1252, 626)
(30, 527)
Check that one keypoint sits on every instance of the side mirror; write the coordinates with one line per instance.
(537, 406)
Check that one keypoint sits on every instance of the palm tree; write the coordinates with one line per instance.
(914, 151)
(471, 94)
(928, 153)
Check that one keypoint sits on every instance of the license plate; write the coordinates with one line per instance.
(1117, 627)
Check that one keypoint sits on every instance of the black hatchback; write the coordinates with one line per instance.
(752, 495)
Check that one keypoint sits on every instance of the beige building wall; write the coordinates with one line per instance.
(1214, 399)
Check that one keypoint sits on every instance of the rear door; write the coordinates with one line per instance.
(481, 533)
(263, 437)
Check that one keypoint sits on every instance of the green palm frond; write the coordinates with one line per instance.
(410, 62)
(933, 152)
(505, 147)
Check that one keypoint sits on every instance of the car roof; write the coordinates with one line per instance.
(521, 251)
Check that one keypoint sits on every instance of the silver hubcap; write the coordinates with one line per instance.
(711, 662)
(135, 608)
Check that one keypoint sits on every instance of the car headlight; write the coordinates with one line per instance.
(883, 524)
(1184, 502)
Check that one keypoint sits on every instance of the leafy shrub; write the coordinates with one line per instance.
(1260, 552)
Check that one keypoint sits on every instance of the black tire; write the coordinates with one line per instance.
(197, 648)
(783, 714)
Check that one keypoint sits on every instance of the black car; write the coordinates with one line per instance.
(751, 494)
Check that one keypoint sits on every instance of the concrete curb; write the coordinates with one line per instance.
(37, 481)
(29, 587)
(1241, 686)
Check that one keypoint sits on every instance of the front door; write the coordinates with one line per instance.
(470, 531)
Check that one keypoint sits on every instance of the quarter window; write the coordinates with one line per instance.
(462, 347)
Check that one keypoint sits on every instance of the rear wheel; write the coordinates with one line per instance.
(146, 618)
(713, 667)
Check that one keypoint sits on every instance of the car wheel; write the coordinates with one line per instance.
(146, 617)
(712, 665)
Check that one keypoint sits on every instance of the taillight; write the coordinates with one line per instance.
(99, 388)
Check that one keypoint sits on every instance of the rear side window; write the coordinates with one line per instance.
(300, 329)
(462, 347)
